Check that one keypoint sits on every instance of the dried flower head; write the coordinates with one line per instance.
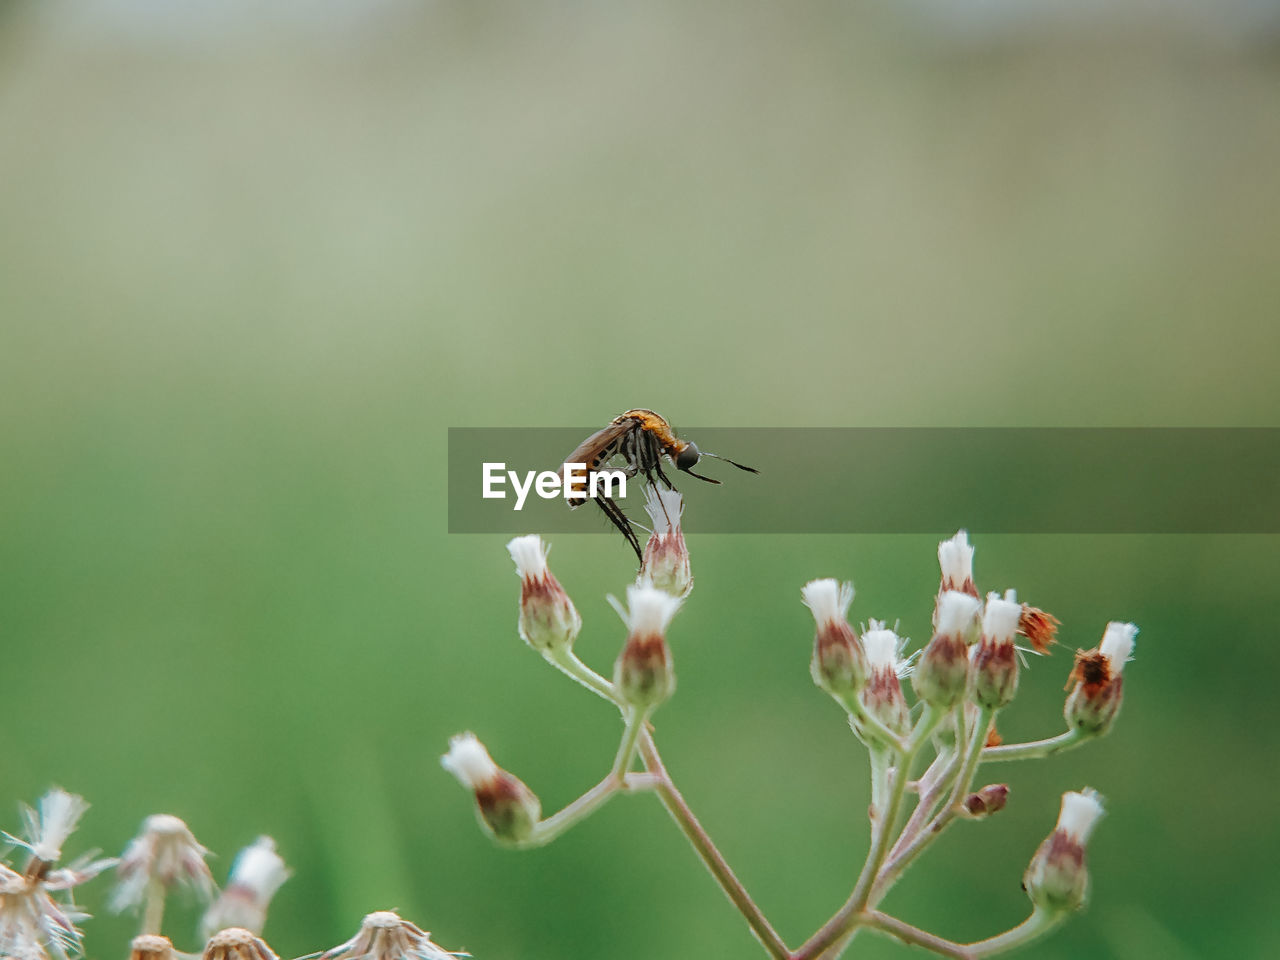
(507, 809)
(256, 875)
(385, 936)
(151, 946)
(666, 558)
(1056, 878)
(1098, 677)
(839, 664)
(1040, 628)
(33, 924)
(548, 618)
(166, 852)
(236, 943)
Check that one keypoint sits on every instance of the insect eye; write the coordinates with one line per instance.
(688, 457)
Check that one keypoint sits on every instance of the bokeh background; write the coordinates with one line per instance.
(255, 259)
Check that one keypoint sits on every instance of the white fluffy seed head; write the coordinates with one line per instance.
(167, 852)
(882, 647)
(828, 600)
(469, 761)
(530, 556)
(49, 828)
(1080, 814)
(256, 875)
(648, 611)
(955, 558)
(664, 508)
(1000, 618)
(956, 611)
(1117, 644)
(382, 920)
(260, 868)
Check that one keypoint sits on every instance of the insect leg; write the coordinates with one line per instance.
(619, 520)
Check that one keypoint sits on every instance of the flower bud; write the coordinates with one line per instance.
(839, 665)
(236, 943)
(548, 618)
(507, 809)
(942, 674)
(643, 674)
(995, 661)
(1056, 879)
(882, 696)
(256, 875)
(955, 557)
(1099, 685)
(666, 558)
(990, 799)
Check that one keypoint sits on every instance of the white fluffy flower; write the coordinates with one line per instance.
(648, 611)
(256, 875)
(956, 612)
(1080, 813)
(955, 558)
(828, 600)
(1000, 617)
(530, 556)
(469, 761)
(1117, 645)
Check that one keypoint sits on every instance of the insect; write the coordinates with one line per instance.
(641, 438)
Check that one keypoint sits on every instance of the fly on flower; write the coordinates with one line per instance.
(639, 439)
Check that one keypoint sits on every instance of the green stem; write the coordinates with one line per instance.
(933, 784)
(706, 850)
(872, 725)
(915, 936)
(1035, 748)
(591, 801)
(902, 858)
(153, 914)
(1033, 928)
(635, 720)
(565, 660)
(846, 918)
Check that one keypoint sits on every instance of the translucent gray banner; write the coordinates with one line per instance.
(904, 480)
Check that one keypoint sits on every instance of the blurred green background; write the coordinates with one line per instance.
(254, 263)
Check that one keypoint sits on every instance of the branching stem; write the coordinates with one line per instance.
(567, 662)
(1035, 748)
(706, 850)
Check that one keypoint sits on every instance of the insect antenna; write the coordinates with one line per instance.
(735, 463)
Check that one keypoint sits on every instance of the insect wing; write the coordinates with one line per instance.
(593, 451)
